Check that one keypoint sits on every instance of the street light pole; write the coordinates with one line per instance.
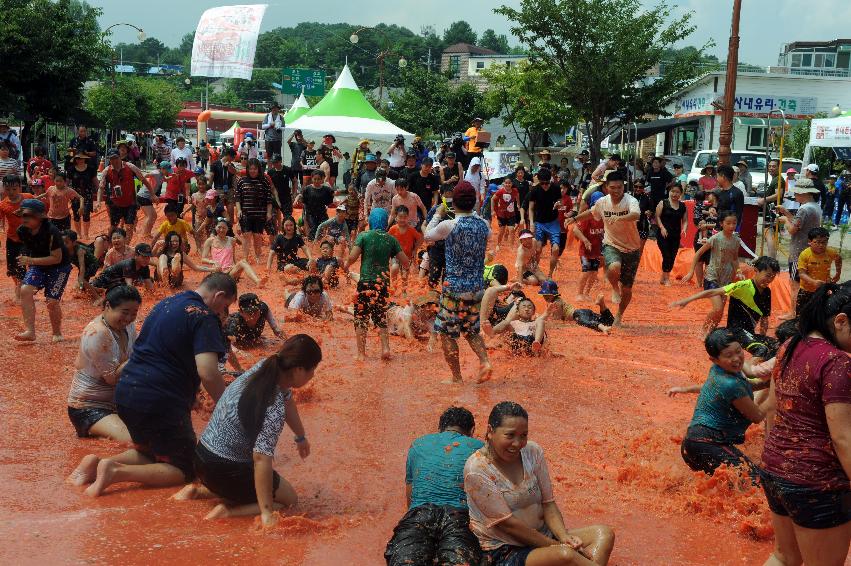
(725, 136)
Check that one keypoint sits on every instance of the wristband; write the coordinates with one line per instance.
(300, 439)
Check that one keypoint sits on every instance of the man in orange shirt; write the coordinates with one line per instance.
(471, 136)
(8, 206)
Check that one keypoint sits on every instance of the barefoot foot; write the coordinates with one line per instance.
(86, 471)
(57, 338)
(27, 336)
(453, 381)
(105, 474)
(385, 355)
(188, 493)
(616, 297)
(220, 511)
(485, 373)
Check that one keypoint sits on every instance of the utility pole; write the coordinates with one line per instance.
(725, 136)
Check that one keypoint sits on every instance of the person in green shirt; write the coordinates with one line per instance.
(375, 248)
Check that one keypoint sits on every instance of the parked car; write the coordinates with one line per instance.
(684, 160)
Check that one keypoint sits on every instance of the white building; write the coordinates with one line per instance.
(696, 123)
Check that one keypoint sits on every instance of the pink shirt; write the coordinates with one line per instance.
(411, 200)
(58, 202)
(492, 498)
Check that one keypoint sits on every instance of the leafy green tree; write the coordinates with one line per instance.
(54, 47)
(596, 54)
(490, 40)
(135, 103)
(459, 32)
(527, 102)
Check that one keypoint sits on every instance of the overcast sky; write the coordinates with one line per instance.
(765, 24)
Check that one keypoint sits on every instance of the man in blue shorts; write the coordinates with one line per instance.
(544, 199)
(47, 265)
(436, 527)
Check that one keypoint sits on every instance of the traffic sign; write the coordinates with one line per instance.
(312, 80)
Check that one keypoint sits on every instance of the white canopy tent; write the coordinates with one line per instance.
(229, 135)
(834, 133)
(345, 113)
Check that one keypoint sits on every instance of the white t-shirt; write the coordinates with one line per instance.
(300, 302)
(619, 234)
(396, 157)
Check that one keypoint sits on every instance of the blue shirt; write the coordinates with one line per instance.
(435, 468)
(715, 410)
(465, 255)
(161, 375)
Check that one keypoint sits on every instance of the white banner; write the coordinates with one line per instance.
(225, 41)
(500, 163)
(831, 132)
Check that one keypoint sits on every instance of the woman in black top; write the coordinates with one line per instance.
(286, 246)
(83, 178)
(672, 222)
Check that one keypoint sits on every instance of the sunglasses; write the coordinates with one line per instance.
(222, 219)
(313, 291)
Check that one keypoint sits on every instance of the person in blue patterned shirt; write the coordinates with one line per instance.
(466, 238)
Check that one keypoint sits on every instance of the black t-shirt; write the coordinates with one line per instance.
(84, 182)
(732, 199)
(317, 199)
(40, 244)
(287, 249)
(237, 328)
(222, 177)
(424, 187)
(544, 203)
(658, 181)
(739, 315)
(296, 149)
(117, 273)
(281, 182)
(308, 159)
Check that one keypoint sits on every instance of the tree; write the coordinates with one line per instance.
(459, 32)
(55, 46)
(136, 103)
(429, 104)
(490, 40)
(596, 54)
(527, 101)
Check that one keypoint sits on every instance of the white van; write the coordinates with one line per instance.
(755, 160)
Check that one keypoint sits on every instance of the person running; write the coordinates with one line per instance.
(177, 350)
(544, 200)
(377, 248)
(219, 251)
(723, 266)
(253, 206)
(559, 309)
(513, 511)
(526, 260)
(105, 347)
(725, 409)
(410, 201)
(317, 196)
(805, 459)
(672, 222)
(621, 242)
(172, 259)
(247, 324)
(589, 234)
(235, 456)
(379, 193)
(409, 238)
(312, 300)
(505, 205)
(527, 331)
(286, 246)
(47, 267)
(119, 184)
(82, 177)
(814, 266)
(59, 198)
(178, 185)
(9, 207)
(466, 237)
(435, 529)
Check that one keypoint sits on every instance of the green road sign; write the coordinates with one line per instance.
(312, 80)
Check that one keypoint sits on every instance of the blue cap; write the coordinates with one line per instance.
(548, 287)
(378, 219)
(370, 158)
(249, 135)
(33, 205)
(199, 170)
(595, 196)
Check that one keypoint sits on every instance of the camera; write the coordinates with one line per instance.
(399, 139)
(251, 143)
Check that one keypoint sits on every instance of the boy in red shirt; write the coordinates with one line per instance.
(504, 205)
(589, 232)
(14, 248)
(409, 239)
(178, 185)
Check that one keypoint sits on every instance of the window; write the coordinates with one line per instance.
(455, 65)
(843, 59)
(806, 59)
(830, 60)
(756, 137)
(818, 60)
(508, 63)
(480, 64)
(796, 59)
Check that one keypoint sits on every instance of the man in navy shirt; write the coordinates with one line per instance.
(177, 350)
(436, 524)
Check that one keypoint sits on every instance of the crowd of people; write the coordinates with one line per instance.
(411, 232)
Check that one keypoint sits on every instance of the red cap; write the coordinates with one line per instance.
(463, 188)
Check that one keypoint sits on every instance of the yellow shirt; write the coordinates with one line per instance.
(472, 133)
(182, 228)
(816, 266)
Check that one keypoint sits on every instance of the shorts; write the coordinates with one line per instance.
(807, 506)
(430, 534)
(335, 168)
(506, 555)
(589, 264)
(163, 437)
(545, 231)
(704, 455)
(436, 263)
(13, 252)
(85, 419)
(521, 345)
(299, 262)
(709, 284)
(352, 223)
(143, 201)
(507, 221)
(230, 480)
(252, 224)
(61, 223)
(125, 213)
(629, 263)
(793, 271)
(51, 279)
(458, 314)
(227, 197)
(87, 208)
(371, 304)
